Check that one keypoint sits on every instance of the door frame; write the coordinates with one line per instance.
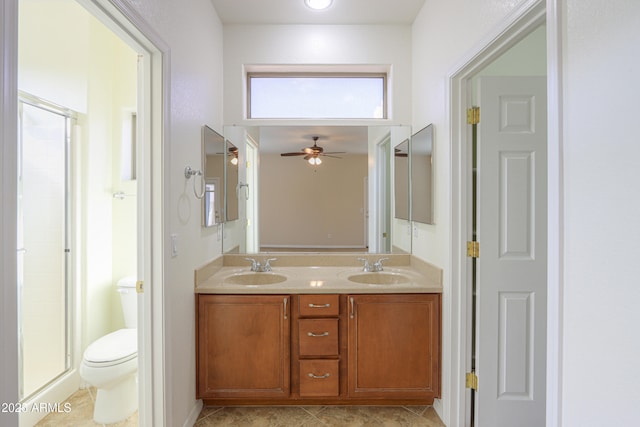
(130, 26)
(506, 34)
(153, 127)
(382, 179)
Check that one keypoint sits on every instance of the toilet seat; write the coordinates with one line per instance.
(112, 349)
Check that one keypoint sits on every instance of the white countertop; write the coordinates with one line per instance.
(317, 280)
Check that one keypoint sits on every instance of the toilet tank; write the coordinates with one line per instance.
(129, 301)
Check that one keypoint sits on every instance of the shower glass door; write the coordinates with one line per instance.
(43, 244)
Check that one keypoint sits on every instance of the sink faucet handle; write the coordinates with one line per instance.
(254, 264)
(366, 267)
(267, 264)
(377, 266)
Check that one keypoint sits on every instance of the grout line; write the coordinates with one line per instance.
(313, 416)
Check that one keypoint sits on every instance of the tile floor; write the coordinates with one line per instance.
(320, 416)
(81, 414)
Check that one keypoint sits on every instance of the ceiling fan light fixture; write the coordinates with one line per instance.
(315, 161)
(318, 4)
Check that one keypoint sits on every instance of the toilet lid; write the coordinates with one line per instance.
(117, 345)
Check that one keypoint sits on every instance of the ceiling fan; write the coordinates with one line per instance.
(313, 154)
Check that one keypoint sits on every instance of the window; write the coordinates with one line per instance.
(317, 96)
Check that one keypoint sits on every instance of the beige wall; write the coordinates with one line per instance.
(303, 206)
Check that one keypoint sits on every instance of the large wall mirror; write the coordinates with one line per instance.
(401, 180)
(422, 176)
(213, 159)
(318, 189)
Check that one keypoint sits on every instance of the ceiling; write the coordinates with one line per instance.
(352, 139)
(295, 12)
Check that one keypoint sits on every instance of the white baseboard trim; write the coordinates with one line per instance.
(193, 415)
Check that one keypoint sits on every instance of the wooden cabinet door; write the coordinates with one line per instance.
(394, 346)
(243, 346)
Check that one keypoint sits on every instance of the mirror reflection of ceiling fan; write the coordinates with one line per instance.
(399, 153)
(313, 154)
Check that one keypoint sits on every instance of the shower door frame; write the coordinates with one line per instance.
(70, 119)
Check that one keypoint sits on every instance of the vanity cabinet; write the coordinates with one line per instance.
(318, 349)
(243, 344)
(394, 346)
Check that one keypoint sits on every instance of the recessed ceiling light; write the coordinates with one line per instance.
(318, 4)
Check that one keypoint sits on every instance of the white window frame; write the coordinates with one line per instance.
(384, 75)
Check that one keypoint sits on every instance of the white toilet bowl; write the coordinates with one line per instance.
(111, 365)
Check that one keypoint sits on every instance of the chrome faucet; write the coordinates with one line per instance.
(377, 266)
(258, 267)
(267, 264)
(367, 267)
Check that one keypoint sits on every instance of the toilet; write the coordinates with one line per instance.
(110, 363)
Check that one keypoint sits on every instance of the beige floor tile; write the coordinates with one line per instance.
(81, 413)
(320, 416)
(257, 417)
(431, 415)
(348, 416)
(397, 416)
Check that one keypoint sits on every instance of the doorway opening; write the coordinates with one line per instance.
(491, 59)
(121, 110)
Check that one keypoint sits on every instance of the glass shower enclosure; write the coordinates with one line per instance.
(44, 290)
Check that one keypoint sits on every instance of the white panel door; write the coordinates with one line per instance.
(512, 229)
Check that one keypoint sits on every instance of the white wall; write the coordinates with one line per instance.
(601, 349)
(313, 45)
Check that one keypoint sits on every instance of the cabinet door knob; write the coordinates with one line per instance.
(319, 377)
(286, 300)
(320, 305)
(313, 334)
(353, 309)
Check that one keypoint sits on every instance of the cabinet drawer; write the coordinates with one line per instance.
(319, 305)
(319, 378)
(318, 337)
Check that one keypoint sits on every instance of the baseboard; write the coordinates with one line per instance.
(194, 414)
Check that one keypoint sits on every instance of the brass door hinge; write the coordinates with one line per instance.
(472, 381)
(473, 249)
(140, 286)
(473, 115)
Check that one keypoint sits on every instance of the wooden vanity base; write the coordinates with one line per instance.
(318, 349)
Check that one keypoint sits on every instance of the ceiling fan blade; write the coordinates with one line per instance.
(301, 153)
(328, 155)
(334, 152)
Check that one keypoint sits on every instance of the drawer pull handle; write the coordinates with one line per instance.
(313, 334)
(319, 377)
(319, 305)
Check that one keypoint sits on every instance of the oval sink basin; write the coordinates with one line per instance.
(254, 279)
(379, 278)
